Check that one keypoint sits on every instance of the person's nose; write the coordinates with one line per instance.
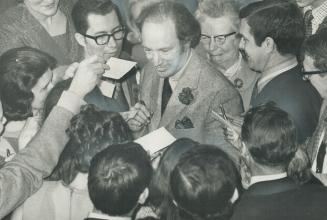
(112, 43)
(156, 59)
(212, 44)
(241, 44)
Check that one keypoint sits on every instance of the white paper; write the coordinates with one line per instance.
(107, 88)
(156, 140)
(118, 68)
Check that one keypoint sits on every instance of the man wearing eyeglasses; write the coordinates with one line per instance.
(272, 33)
(219, 38)
(180, 87)
(100, 32)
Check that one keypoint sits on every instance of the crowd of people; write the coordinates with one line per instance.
(239, 84)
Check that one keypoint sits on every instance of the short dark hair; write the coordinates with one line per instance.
(117, 177)
(20, 69)
(281, 20)
(159, 190)
(203, 183)
(90, 131)
(187, 27)
(270, 135)
(316, 47)
(83, 8)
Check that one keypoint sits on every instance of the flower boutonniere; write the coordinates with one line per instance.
(186, 96)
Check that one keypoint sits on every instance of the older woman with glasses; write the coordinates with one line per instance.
(42, 24)
(219, 26)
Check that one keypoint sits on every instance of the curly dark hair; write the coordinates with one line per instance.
(20, 69)
(91, 131)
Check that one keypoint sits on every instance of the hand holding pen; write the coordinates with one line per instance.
(138, 116)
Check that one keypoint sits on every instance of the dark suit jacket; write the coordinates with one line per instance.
(129, 87)
(295, 96)
(282, 200)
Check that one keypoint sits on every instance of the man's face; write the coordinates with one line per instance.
(304, 3)
(220, 52)
(254, 55)
(99, 25)
(319, 81)
(162, 47)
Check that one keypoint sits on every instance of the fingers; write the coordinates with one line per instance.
(143, 110)
(70, 71)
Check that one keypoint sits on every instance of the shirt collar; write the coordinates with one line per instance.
(263, 178)
(266, 79)
(106, 217)
(231, 71)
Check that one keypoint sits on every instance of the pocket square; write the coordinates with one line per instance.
(185, 123)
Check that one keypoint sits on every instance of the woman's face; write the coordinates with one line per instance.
(41, 89)
(43, 7)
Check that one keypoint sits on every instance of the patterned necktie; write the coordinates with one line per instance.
(166, 94)
(308, 23)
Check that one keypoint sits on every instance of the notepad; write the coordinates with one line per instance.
(156, 140)
(118, 68)
(107, 88)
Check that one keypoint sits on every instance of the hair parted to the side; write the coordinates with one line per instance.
(83, 8)
(90, 131)
(203, 183)
(316, 47)
(187, 27)
(270, 135)
(117, 177)
(281, 20)
(20, 69)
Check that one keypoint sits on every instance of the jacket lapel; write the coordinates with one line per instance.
(156, 93)
(190, 78)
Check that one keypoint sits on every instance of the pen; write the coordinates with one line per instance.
(223, 112)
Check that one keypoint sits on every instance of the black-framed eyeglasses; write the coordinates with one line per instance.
(105, 38)
(216, 38)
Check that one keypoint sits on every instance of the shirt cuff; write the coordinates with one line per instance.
(71, 101)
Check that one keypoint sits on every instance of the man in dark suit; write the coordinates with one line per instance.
(118, 180)
(269, 136)
(99, 31)
(272, 34)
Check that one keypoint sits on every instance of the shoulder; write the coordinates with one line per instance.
(12, 16)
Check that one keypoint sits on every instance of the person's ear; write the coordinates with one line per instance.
(144, 195)
(80, 39)
(269, 44)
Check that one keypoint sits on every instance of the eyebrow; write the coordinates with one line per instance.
(105, 32)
